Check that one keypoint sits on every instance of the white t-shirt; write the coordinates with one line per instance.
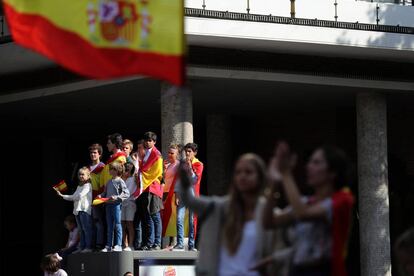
(82, 199)
(245, 257)
(132, 187)
(60, 272)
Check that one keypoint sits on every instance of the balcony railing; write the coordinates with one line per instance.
(392, 14)
(378, 12)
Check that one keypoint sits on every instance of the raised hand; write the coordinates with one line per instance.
(283, 161)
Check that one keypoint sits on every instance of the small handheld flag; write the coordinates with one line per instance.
(98, 201)
(61, 186)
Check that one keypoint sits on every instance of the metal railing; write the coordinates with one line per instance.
(205, 11)
(378, 12)
(193, 12)
(397, 2)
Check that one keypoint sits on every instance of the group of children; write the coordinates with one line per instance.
(134, 195)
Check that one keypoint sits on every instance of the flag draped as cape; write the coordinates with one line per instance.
(151, 174)
(105, 176)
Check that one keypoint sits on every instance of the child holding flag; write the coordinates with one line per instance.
(82, 202)
(117, 192)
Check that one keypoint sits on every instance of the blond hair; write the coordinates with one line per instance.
(236, 213)
(118, 167)
(88, 173)
(129, 143)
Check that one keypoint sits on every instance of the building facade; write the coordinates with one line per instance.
(312, 72)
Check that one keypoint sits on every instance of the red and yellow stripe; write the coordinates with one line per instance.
(101, 200)
(105, 176)
(136, 37)
(61, 186)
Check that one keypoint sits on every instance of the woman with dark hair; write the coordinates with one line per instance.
(232, 238)
(51, 265)
(321, 221)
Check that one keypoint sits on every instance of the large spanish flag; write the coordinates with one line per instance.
(104, 38)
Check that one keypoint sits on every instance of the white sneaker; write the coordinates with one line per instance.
(127, 248)
(106, 249)
(86, 250)
(117, 248)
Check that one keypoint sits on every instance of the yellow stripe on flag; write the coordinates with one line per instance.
(145, 26)
(61, 186)
(100, 200)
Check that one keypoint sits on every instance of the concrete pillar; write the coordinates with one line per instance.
(373, 184)
(176, 116)
(55, 209)
(218, 153)
(176, 123)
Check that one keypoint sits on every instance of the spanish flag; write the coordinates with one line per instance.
(95, 179)
(101, 200)
(151, 174)
(104, 38)
(105, 176)
(61, 186)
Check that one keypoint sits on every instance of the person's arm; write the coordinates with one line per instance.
(281, 167)
(124, 192)
(198, 204)
(71, 197)
(301, 210)
(84, 190)
(272, 218)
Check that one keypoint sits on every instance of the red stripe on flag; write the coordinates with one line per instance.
(61, 186)
(115, 156)
(76, 54)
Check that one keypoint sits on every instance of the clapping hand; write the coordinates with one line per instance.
(282, 163)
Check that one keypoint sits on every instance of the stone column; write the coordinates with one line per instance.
(176, 116)
(55, 209)
(176, 123)
(373, 184)
(218, 153)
